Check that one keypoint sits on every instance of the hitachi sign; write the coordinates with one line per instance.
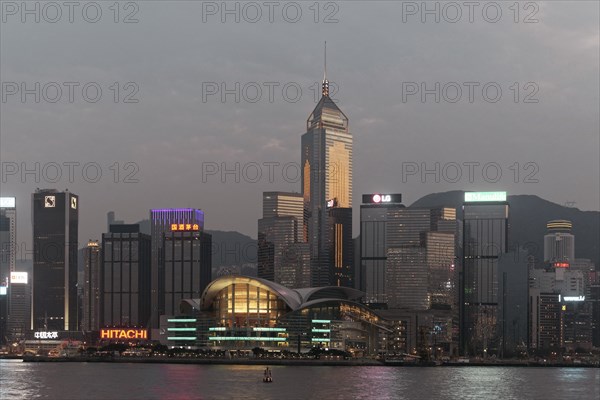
(123, 334)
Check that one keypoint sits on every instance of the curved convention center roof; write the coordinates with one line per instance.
(294, 298)
(289, 296)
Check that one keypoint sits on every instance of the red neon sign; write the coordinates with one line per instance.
(561, 265)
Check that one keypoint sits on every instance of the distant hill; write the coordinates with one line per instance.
(232, 248)
(527, 218)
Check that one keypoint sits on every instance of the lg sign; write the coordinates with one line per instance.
(382, 198)
(377, 198)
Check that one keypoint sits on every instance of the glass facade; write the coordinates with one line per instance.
(125, 277)
(326, 182)
(91, 286)
(186, 268)
(8, 239)
(282, 255)
(55, 234)
(485, 230)
(161, 221)
(250, 312)
(373, 251)
(247, 305)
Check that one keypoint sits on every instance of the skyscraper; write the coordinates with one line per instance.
(8, 237)
(485, 232)
(55, 232)
(326, 183)
(373, 249)
(161, 221)
(185, 266)
(559, 242)
(125, 277)
(91, 286)
(282, 255)
(19, 305)
(419, 270)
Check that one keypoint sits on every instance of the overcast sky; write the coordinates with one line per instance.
(378, 52)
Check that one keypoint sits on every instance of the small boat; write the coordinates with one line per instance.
(267, 378)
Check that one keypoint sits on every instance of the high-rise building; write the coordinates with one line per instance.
(185, 266)
(55, 233)
(19, 305)
(559, 242)
(420, 265)
(341, 247)
(485, 230)
(326, 183)
(545, 321)
(282, 254)
(125, 277)
(285, 204)
(162, 221)
(91, 286)
(8, 237)
(370, 275)
(513, 291)
(3, 313)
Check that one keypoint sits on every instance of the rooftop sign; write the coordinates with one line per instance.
(8, 202)
(475, 197)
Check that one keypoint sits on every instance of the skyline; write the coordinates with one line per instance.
(172, 131)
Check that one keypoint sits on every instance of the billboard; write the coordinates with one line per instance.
(378, 198)
(475, 197)
(8, 202)
(123, 333)
(18, 277)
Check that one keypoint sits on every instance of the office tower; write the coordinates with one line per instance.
(285, 204)
(91, 286)
(559, 242)
(3, 313)
(545, 321)
(485, 230)
(19, 305)
(407, 278)
(125, 277)
(440, 255)
(8, 237)
(185, 266)
(55, 232)
(370, 275)
(341, 247)
(419, 270)
(282, 256)
(326, 163)
(161, 222)
(513, 292)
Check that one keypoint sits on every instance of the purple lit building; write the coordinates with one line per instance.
(180, 258)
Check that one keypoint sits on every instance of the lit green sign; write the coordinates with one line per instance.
(484, 196)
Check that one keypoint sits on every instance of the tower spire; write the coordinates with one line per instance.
(325, 85)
